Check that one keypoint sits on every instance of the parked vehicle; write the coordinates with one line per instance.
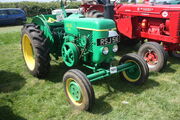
(159, 23)
(12, 16)
(89, 42)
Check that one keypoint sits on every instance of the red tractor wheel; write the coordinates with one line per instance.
(154, 54)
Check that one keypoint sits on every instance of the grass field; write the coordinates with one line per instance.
(23, 97)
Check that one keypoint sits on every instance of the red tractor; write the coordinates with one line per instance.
(157, 23)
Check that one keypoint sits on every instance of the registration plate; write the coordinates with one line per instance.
(106, 41)
(113, 70)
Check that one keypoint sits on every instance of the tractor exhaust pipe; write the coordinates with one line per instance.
(108, 10)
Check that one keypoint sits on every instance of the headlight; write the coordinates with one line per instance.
(105, 50)
(115, 48)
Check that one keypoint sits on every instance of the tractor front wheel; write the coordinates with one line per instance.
(35, 50)
(139, 73)
(154, 54)
(79, 90)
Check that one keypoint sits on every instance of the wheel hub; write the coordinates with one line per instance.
(70, 54)
(132, 74)
(75, 91)
(28, 52)
(151, 57)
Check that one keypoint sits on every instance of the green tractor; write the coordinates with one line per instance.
(90, 42)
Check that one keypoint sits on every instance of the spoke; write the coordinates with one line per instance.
(155, 62)
(70, 60)
(146, 59)
(68, 51)
(65, 50)
(149, 50)
(64, 55)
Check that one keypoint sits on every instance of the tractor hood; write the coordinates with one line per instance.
(93, 24)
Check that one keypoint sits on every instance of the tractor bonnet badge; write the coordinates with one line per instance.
(165, 14)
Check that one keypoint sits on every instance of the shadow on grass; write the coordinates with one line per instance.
(116, 84)
(57, 72)
(10, 81)
(113, 83)
(9, 25)
(6, 113)
(102, 107)
(171, 61)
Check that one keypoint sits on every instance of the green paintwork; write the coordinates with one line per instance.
(74, 38)
(106, 72)
(46, 27)
(72, 25)
(90, 29)
(133, 73)
(75, 91)
(69, 54)
(63, 8)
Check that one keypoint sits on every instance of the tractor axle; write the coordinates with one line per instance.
(108, 72)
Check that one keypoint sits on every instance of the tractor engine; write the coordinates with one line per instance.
(94, 40)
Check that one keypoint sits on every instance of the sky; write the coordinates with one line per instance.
(26, 0)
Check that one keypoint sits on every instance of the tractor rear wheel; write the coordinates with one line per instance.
(94, 14)
(79, 90)
(154, 54)
(98, 15)
(35, 50)
(137, 74)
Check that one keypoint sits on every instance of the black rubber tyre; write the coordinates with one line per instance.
(174, 54)
(152, 48)
(35, 50)
(98, 15)
(94, 14)
(87, 99)
(141, 68)
(127, 41)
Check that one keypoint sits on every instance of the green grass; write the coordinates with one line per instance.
(23, 97)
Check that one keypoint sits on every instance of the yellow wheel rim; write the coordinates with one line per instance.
(134, 75)
(76, 102)
(28, 52)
